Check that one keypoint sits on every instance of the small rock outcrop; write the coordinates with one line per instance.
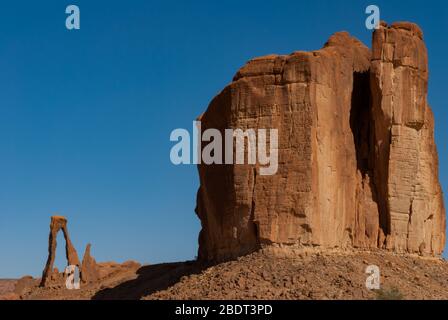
(357, 162)
(89, 267)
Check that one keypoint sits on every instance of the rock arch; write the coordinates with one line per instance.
(58, 223)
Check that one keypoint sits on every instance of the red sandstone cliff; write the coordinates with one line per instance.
(357, 163)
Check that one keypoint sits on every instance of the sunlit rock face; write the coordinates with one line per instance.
(406, 164)
(357, 163)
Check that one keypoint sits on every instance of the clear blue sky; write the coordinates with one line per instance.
(85, 116)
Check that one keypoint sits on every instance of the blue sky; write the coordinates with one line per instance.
(85, 116)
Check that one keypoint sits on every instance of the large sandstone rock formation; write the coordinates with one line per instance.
(357, 160)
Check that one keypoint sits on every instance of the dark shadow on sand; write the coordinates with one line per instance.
(150, 279)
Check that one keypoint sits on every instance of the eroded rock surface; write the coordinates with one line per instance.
(357, 163)
(88, 269)
(58, 223)
(406, 164)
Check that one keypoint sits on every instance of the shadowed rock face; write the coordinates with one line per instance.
(357, 164)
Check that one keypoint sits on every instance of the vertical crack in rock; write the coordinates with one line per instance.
(252, 219)
(380, 150)
(369, 222)
(360, 120)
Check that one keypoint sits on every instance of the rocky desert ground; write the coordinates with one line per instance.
(271, 273)
(7, 287)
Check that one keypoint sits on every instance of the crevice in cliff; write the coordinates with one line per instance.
(256, 231)
(360, 120)
(410, 210)
(380, 152)
(362, 124)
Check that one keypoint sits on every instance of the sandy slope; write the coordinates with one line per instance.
(268, 275)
